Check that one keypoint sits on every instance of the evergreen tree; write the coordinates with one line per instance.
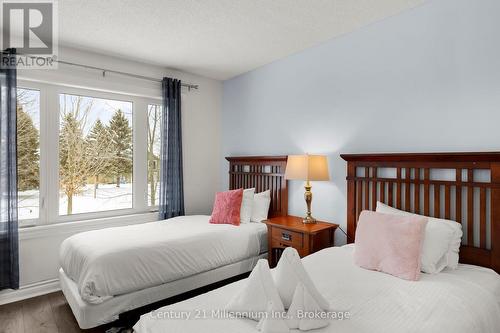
(121, 135)
(99, 151)
(28, 157)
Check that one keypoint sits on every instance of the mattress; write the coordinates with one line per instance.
(116, 261)
(91, 315)
(463, 300)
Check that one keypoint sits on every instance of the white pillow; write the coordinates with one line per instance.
(304, 302)
(453, 256)
(252, 301)
(441, 241)
(246, 205)
(260, 209)
(289, 273)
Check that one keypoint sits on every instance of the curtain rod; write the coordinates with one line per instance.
(104, 71)
(141, 77)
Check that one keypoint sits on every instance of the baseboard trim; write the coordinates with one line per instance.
(29, 291)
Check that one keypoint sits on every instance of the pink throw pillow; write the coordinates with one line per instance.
(227, 207)
(390, 243)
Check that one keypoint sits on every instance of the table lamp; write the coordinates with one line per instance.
(307, 168)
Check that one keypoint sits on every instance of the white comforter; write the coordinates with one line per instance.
(464, 300)
(115, 261)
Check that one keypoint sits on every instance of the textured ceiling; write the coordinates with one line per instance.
(214, 38)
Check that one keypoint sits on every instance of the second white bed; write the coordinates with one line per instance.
(462, 300)
(115, 261)
(107, 267)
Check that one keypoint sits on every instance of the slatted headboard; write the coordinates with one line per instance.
(263, 173)
(464, 187)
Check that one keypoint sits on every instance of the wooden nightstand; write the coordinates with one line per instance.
(285, 231)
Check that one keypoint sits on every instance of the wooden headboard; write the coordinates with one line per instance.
(263, 173)
(463, 187)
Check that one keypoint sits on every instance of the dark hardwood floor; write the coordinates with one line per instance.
(43, 314)
(51, 313)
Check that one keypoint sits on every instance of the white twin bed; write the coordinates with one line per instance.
(463, 300)
(107, 272)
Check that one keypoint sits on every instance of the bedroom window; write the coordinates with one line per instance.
(154, 132)
(77, 156)
(95, 154)
(28, 153)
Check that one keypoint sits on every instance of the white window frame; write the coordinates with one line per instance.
(41, 189)
(49, 152)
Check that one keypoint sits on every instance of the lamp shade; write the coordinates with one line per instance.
(307, 167)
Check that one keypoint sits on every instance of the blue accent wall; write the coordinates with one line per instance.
(427, 79)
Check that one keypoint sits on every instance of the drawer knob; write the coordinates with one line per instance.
(286, 236)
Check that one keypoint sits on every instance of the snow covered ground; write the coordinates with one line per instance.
(27, 202)
(109, 197)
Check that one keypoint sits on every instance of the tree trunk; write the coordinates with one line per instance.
(96, 185)
(69, 208)
(118, 181)
(153, 191)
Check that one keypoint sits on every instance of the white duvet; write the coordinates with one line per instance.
(463, 300)
(115, 261)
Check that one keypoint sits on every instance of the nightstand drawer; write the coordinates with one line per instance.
(289, 231)
(287, 237)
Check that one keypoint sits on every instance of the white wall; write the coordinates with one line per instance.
(425, 80)
(39, 246)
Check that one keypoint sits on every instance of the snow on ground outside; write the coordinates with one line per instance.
(109, 197)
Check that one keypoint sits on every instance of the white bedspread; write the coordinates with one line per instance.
(115, 261)
(464, 300)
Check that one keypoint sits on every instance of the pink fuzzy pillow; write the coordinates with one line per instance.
(390, 244)
(227, 207)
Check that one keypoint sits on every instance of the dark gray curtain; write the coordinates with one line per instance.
(9, 263)
(171, 202)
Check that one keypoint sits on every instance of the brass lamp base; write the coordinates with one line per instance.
(308, 196)
(309, 220)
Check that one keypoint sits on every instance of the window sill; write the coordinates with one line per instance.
(41, 231)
